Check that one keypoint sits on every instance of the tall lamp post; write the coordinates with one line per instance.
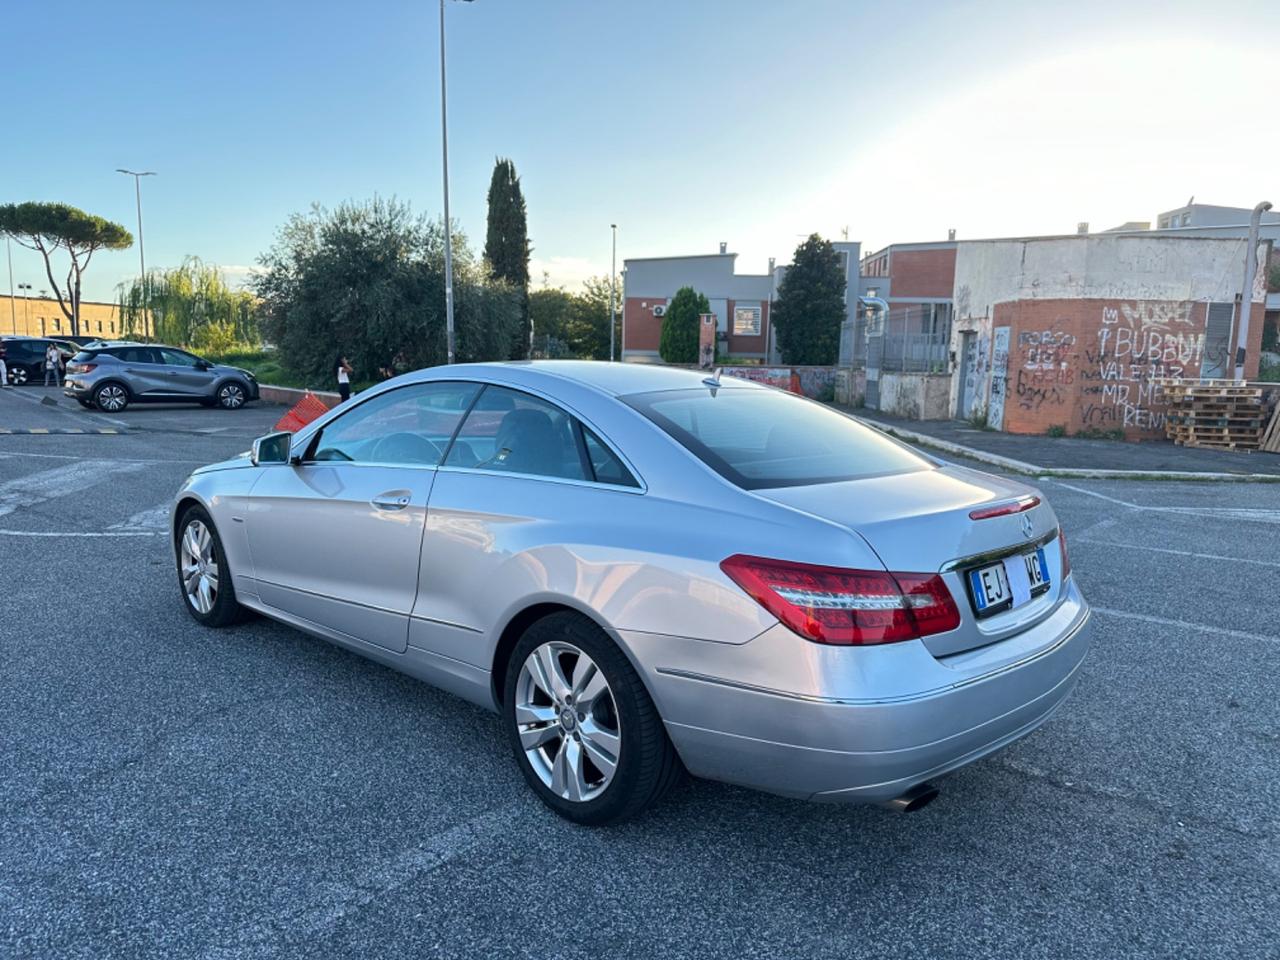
(613, 273)
(142, 257)
(1246, 297)
(26, 305)
(448, 227)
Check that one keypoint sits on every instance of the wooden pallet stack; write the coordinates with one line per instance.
(1221, 414)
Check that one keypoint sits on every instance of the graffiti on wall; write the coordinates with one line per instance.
(1136, 343)
(999, 376)
(1046, 368)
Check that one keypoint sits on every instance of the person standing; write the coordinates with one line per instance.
(344, 377)
(52, 359)
(4, 370)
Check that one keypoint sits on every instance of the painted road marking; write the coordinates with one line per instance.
(45, 485)
(77, 534)
(60, 431)
(154, 518)
(1185, 625)
(1181, 553)
(1226, 513)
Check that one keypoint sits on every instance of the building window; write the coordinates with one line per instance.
(57, 326)
(1186, 219)
(746, 321)
(1164, 223)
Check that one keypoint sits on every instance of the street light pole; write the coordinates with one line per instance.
(26, 305)
(613, 273)
(142, 257)
(1246, 297)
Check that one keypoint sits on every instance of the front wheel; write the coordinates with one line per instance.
(231, 396)
(18, 376)
(584, 731)
(203, 574)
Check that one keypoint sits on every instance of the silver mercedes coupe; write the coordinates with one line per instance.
(648, 571)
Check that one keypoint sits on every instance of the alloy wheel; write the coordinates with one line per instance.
(18, 375)
(231, 396)
(567, 721)
(199, 567)
(112, 398)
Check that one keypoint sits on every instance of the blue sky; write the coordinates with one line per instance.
(686, 123)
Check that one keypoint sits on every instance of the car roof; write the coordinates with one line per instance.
(616, 379)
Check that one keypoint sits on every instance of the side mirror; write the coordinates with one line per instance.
(203, 365)
(273, 448)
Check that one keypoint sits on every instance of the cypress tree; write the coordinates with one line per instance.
(506, 245)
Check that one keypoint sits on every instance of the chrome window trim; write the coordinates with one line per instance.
(596, 484)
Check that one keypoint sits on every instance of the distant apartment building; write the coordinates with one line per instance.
(43, 317)
(740, 301)
(1208, 215)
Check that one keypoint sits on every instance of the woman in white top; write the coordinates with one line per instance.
(52, 360)
(344, 377)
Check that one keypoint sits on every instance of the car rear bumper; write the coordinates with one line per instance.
(857, 724)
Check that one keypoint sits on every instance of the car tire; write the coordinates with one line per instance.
(111, 397)
(204, 576)
(231, 395)
(565, 757)
(19, 376)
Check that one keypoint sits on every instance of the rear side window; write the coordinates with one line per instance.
(604, 464)
(758, 438)
(134, 354)
(85, 355)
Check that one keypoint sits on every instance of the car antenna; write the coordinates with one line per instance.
(713, 381)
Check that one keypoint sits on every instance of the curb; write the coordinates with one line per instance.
(291, 395)
(1035, 470)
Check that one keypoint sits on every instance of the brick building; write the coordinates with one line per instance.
(740, 301)
(43, 317)
(1069, 332)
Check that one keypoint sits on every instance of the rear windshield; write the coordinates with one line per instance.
(767, 438)
(85, 355)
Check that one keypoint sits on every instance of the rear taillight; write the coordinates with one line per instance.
(839, 606)
(81, 367)
(1066, 559)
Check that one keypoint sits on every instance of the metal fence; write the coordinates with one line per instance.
(911, 339)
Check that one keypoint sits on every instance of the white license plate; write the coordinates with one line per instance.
(1009, 583)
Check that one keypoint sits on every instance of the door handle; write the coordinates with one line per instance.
(391, 501)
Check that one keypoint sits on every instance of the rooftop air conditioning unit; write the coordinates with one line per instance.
(659, 309)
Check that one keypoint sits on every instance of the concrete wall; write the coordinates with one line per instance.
(1144, 274)
(917, 396)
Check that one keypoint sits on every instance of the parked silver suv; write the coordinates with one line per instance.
(113, 375)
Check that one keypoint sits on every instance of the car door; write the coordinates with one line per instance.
(521, 474)
(183, 374)
(335, 538)
(141, 370)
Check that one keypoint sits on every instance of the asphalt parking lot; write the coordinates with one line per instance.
(174, 792)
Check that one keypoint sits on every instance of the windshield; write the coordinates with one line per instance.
(767, 438)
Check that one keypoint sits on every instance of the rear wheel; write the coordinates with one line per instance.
(111, 397)
(584, 731)
(203, 574)
(18, 375)
(231, 396)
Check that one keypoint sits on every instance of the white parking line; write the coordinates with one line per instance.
(77, 534)
(58, 482)
(1179, 553)
(1225, 513)
(1185, 625)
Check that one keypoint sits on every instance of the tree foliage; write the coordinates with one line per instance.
(367, 280)
(191, 305)
(506, 243)
(679, 340)
(50, 227)
(575, 324)
(810, 305)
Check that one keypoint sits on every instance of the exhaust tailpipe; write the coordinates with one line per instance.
(917, 798)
